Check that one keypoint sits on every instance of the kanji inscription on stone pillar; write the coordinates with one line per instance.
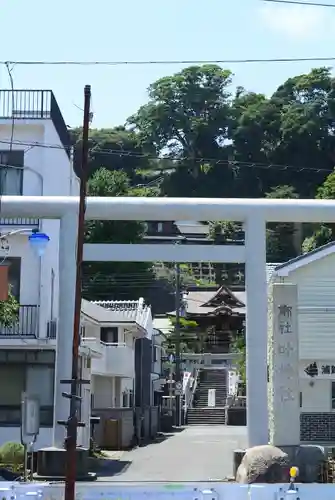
(283, 358)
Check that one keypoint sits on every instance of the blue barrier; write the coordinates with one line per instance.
(166, 491)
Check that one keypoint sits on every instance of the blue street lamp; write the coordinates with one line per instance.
(38, 242)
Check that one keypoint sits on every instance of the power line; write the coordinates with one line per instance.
(299, 2)
(179, 61)
(176, 161)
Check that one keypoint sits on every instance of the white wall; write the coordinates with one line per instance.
(315, 397)
(316, 303)
(48, 172)
(12, 434)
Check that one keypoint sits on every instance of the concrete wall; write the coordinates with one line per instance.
(48, 172)
(125, 415)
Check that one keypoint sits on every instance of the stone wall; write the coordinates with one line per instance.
(317, 427)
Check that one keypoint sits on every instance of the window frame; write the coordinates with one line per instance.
(46, 411)
(13, 158)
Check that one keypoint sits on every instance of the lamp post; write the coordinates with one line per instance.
(38, 242)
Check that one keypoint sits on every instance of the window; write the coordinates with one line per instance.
(35, 379)
(131, 399)
(154, 354)
(124, 400)
(109, 335)
(11, 179)
(333, 395)
(160, 227)
(300, 399)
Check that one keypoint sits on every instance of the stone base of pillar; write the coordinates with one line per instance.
(51, 463)
(308, 458)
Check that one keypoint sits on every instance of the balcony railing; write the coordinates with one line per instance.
(26, 324)
(129, 310)
(34, 105)
(19, 222)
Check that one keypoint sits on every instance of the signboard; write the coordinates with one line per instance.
(318, 369)
(30, 411)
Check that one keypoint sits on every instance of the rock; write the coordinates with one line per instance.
(309, 459)
(263, 464)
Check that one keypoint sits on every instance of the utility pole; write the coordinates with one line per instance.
(177, 343)
(72, 424)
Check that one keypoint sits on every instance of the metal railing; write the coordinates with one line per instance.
(52, 329)
(19, 222)
(34, 105)
(26, 324)
(236, 401)
(129, 310)
(189, 390)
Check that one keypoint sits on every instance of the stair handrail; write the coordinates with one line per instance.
(195, 385)
(189, 393)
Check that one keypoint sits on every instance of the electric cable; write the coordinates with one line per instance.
(176, 161)
(300, 2)
(168, 62)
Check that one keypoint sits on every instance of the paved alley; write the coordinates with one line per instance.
(194, 454)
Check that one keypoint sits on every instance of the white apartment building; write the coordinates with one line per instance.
(314, 275)
(110, 329)
(35, 159)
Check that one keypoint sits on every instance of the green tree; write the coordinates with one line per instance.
(114, 149)
(9, 310)
(111, 280)
(221, 232)
(187, 118)
(280, 243)
(192, 338)
(239, 347)
(324, 232)
(293, 128)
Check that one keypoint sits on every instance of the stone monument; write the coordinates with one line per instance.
(283, 362)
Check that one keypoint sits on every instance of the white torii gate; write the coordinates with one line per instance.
(254, 213)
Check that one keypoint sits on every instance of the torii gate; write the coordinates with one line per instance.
(254, 213)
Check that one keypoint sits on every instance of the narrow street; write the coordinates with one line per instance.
(193, 454)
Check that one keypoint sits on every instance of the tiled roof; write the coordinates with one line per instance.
(270, 269)
(119, 311)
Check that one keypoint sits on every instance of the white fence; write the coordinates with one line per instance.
(166, 491)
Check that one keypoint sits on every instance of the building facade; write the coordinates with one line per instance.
(314, 275)
(35, 159)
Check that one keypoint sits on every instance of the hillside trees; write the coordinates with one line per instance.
(187, 119)
(206, 139)
(111, 280)
(323, 233)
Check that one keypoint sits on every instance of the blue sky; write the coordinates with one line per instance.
(148, 29)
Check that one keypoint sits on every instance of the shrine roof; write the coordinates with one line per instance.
(214, 303)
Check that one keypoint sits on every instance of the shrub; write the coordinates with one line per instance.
(12, 454)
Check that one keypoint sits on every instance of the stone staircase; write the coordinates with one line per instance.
(201, 414)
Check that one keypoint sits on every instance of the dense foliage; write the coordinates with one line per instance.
(196, 136)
